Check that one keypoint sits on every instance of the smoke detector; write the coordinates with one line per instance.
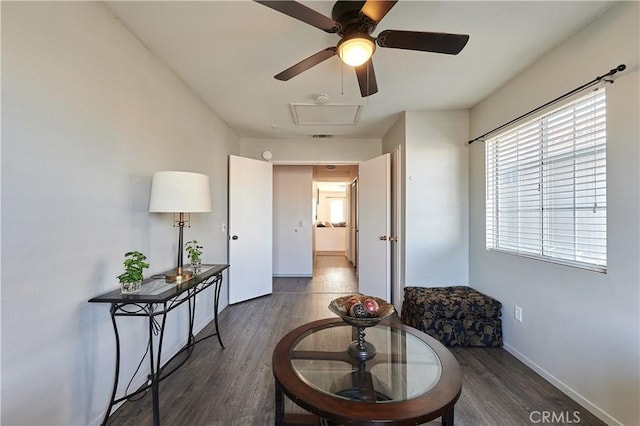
(322, 98)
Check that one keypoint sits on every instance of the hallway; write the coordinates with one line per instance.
(331, 274)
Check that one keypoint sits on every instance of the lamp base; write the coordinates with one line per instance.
(175, 277)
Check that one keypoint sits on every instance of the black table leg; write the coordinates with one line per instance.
(447, 419)
(154, 376)
(191, 303)
(117, 372)
(216, 300)
(279, 406)
(155, 363)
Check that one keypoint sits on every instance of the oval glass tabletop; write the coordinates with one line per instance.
(403, 367)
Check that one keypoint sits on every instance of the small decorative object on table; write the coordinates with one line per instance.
(194, 252)
(131, 278)
(361, 311)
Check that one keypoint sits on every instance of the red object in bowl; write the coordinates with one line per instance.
(371, 306)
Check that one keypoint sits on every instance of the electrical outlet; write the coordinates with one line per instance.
(517, 313)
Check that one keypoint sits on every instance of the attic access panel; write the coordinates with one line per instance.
(325, 115)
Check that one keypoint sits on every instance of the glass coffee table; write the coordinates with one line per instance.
(411, 379)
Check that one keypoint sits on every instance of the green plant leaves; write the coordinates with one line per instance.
(134, 264)
(194, 251)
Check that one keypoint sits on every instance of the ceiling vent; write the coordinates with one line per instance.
(321, 136)
(309, 114)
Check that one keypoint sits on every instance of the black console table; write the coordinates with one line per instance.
(155, 299)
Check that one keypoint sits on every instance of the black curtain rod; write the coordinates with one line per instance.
(596, 80)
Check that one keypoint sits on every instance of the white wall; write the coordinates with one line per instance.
(580, 328)
(434, 208)
(292, 221)
(436, 198)
(308, 150)
(88, 114)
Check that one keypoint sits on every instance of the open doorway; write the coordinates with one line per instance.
(331, 218)
(368, 242)
(335, 219)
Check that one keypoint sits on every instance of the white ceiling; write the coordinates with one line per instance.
(332, 186)
(229, 51)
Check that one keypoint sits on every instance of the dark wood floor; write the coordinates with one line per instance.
(234, 386)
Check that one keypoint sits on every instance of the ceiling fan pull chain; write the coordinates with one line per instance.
(342, 78)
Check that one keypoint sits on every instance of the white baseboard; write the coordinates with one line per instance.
(571, 393)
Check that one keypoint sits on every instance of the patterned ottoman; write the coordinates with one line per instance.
(456, 316)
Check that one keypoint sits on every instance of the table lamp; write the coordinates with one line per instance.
(180, 193)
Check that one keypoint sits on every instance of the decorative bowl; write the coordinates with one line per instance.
(338, 307)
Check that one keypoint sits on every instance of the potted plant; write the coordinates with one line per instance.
(194, 252)
(131, 278)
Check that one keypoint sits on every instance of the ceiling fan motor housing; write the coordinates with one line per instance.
(351, 20)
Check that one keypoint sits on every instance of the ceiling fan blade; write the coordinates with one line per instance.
(367, 79)
(450, 44)
(377, 9)
(305, 64)
(303, 13)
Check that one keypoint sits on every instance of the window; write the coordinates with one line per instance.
(546, 186)
(337, 210)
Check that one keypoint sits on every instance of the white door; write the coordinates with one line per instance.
(250, 228)
(397, 290)
(374, 202)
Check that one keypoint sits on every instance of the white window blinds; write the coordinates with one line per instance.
(546, 192)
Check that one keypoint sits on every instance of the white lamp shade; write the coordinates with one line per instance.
(180, 192)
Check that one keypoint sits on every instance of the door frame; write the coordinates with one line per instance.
(397, 276)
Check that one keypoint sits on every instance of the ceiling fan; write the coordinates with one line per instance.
(354, 21)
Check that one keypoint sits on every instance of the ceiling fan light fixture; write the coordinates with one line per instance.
(357, 50)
